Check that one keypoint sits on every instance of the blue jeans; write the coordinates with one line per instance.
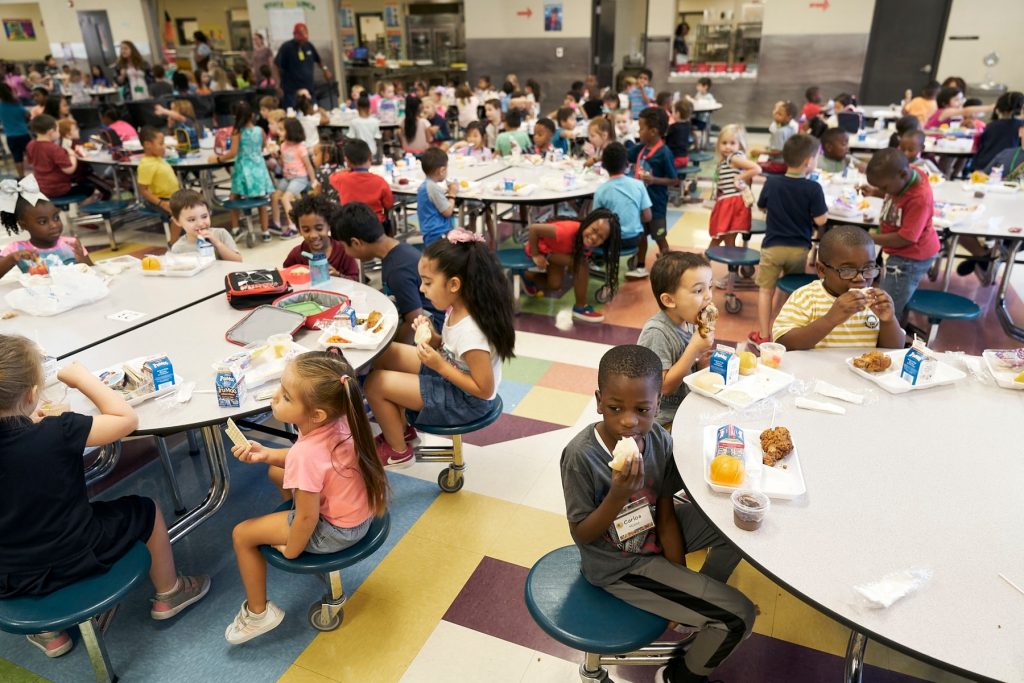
(900, 279)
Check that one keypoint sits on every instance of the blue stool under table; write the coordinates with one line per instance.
(582, 616)
(938, 306)
(451, 479)
(78, 604)
(604, 293)
(791, 283)
(247, 205)
(327, 613)
(734, 258)
(515, 262)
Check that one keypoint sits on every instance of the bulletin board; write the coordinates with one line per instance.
(282, 20)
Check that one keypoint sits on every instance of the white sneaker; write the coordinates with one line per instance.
(637, 273)
(247, 625)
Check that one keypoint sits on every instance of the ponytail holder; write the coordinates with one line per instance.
(27, 188)
(462, 236)
(344, 380)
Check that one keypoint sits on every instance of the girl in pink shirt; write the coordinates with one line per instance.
(332, 474)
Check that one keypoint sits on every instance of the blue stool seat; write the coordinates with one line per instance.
(147, 209)
(312, 563)
(450, 479)
(758, 226)
(698, 157)
(67, 200)
(444, 430)
(734, 256)
(575, 613)
(791, 283)
(687, 170)
(514, 259)
(105, 208)
(936, 306)
(246, 203)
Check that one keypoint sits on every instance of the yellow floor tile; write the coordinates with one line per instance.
(552, 405)
(798, 623)
(465, 520)
(761, 591)
(528, 535)
(691, 230)
(296, 674)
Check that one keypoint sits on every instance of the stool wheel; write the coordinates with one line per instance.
(600, 676)
(442, 480)
(316, 618)
(733, 304)
(603, 294)
(745, 272)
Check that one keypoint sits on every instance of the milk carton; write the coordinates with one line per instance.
(918, 364)
(730, 441)
(229, 380)
(159, 371)
(726, 363)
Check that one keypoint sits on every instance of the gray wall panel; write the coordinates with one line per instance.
(531, 58)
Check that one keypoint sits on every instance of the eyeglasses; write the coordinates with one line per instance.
(867, 273)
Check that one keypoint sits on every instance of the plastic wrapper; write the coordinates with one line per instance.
(892, 587)
(69, 288)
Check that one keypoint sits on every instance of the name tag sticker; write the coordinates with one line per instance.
(635, 518)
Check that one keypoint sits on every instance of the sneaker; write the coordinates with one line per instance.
(191, 589)
(410, 434)
(529, 289)
(966, 267)
(756, 339)
(587, 314)
(274, 228)
(537, 271)
(266, 237)
(247, 625)
(52, 643)
(637, 273)
(288, 233)
(389, 457)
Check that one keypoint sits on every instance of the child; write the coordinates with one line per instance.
(76, 86)
(907, 235)
(733, 173)
(840, 309)
(156, 179)
(312, 214)
(414, 133)
(678, 135)
(266, 78)
(52, 165)
(610, 102)
(512, 135)
(844, 102)
(331, 473)
(437, 134)
(903, 124)
(1000, 134)
(543, 135)
(267, 104)
(467, 103)
(492, 116)
(923, 106)
(112, 119)
(203, 84)
(911, 146)
(600, 131)
(69, 134)
(160, 85)
(190, 213)
(297, 175)
(624, 128)
(663, 101)
(33, 213)
(654, 166)
(1011, 159)
(641, 95)
(99, 79)
(51, 534)
(365, 127)
(682, 286)
(249, 177)
(835, 152)
(951, 107)
(565, 133)
(311, 118)
(795, 206)
(182, 116)
(647, 568)
(435, 200)
(812, 106)
(14, 119)
(357, 226)
(219, 81)
(474, 143)
(627, 198)
(357, 184)
(453, 378)
(782, 127)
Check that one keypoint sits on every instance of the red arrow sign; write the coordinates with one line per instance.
(823, 5)
(525, 13)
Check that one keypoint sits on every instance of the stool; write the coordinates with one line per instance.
(153, 212)
(105, 209)
(450, 479)
(676, 194)
(734, 258)
(604, 293)
(515, 262)
(78, 604)
(327, 613)
(246, 205)
(582, 616)
(69, 204)
(700, 157)
(938, 306)
(791, 283)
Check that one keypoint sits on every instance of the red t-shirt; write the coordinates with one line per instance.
(811, 110)
(359, 185)
(910, 214)
(562, 242)
(339, 259)
(47, 159)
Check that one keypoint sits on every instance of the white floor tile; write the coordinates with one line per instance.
(456, 653)
(544, 668)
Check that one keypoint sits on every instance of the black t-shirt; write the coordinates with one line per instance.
(678, 138)
(792, 205)
(296, 63)
(45, 517)
(400, 276)
(997, 136)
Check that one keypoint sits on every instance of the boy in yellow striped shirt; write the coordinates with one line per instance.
(840, 309)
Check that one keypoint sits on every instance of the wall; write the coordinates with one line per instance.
(377, 7)
(997, 28)
(630, 27)
(797, 17)
(212, 16)
(24, 50)
(320, 19)
(491, 19)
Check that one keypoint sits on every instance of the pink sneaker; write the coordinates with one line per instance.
(52, 643)
(191, 589)
(393, 459)
(410, 434)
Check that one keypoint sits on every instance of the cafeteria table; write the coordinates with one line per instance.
(928, 479)
(194, 341)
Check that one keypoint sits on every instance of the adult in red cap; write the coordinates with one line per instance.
(295, 62)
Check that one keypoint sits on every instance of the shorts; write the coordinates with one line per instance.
(444, 404)
(729, 215)
(293, 186)
(327, 538)
(17, 145)
(656, 227)
(779, 261)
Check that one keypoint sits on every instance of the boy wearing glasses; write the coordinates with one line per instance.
(841, 309)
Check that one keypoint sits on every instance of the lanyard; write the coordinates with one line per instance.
(910, 183)
(641, 158)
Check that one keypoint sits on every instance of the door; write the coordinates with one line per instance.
(99, 44)
(602, 47)
(898, 59)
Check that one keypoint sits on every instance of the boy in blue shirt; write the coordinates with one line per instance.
(654, 165)
(565, 117)
(435, 200)
(626, 197)
(795, 206)
(641, 95)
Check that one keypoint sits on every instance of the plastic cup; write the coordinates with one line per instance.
(53, 400)
(749, 508)
(280, 343)
(510, 185)
(771, 354)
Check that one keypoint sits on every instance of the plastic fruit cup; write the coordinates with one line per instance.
(771, 354)
(749, 508)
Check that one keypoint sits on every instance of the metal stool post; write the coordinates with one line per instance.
(165, 462)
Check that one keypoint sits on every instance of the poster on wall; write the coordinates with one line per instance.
(19, 29)
(553, 16)
(346, 28)
(394, 42)
(391, 16)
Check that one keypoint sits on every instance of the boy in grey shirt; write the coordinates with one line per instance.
(189, 211)
(681, 281)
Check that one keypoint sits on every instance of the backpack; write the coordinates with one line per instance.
(222, 140)
(251, 288)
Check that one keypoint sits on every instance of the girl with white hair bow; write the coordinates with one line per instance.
(24, 208)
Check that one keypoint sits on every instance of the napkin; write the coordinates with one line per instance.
(892, 587)
(832, 391)
(809, 404)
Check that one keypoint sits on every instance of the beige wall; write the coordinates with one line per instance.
(27, 50)
(498, 19)
(630, 26)
(126, 21)
(998, 29)
(212, 15)
(790, 17)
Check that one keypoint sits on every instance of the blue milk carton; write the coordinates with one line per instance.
(918, 365)
(229, 380)
(159, 370)
(726, 363)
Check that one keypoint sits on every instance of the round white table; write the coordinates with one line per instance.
(874, 140)
(193, 339)
(927, 479)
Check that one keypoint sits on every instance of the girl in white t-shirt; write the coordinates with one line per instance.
(331, 474)
(311, 117)
(450, 378)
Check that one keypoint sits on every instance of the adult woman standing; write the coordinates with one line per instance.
(201, 51)
(261, 53)
(680, 50)
(132, 72)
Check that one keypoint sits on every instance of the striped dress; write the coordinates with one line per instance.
(811, 302)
